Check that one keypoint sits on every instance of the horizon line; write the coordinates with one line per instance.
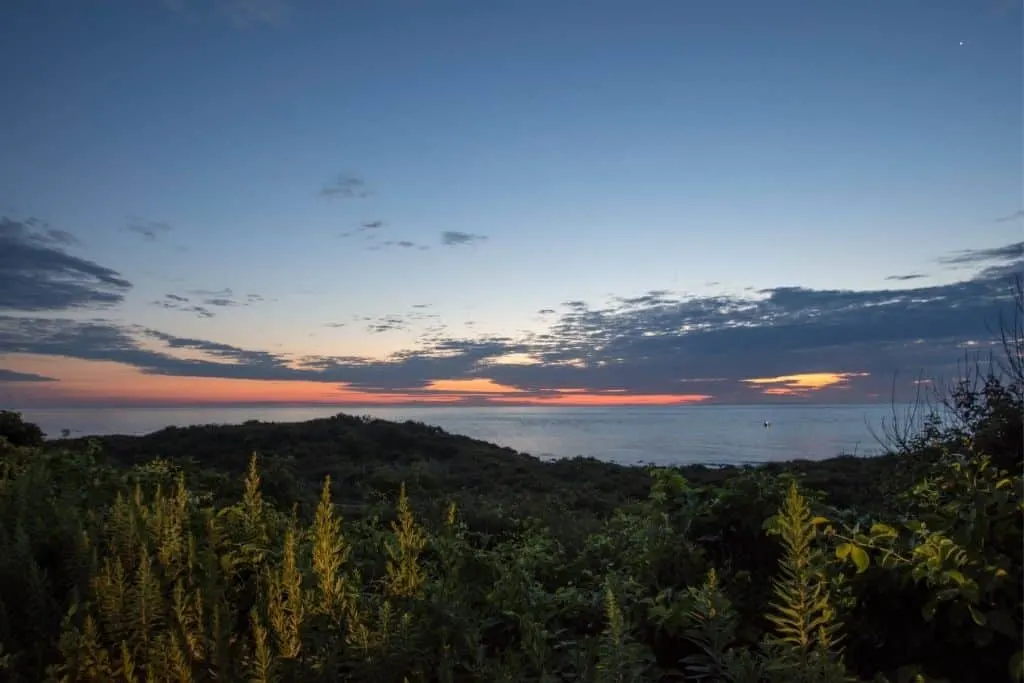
(437, 405)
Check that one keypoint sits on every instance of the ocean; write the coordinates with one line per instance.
(629, 435)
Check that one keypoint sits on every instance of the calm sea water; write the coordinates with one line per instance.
(659, 435)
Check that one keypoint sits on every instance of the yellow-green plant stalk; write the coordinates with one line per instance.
(803, 616)
(262, 667)
(285, 600)
(330, 553)
(252, 499)
(405, 575)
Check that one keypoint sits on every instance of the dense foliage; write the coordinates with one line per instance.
(361, 550)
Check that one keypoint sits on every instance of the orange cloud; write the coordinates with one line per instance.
(472, 386)
(803, 384)
(98, 382)
(102, 381)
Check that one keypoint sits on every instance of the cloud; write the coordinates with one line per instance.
(997, 262)
(387, 323)
(398, 244)
(36, 274)
(1015, 216)
(804, 383)
(366, 229)
(346, 187)
(221, 302)
(227, 291)
(1014, 251)
(216, 298)
(782, 343)
(396, 321)
(176, 304)
(149, 230)
(371, 229)
(452, 238)
(14, 376)
(51, 237)
(906, 278)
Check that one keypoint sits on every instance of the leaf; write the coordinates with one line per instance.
(860, 558)
(843, 550)
(883, 530)
(977, 615)
(956, 577)
(1017, 666)
(819, 520)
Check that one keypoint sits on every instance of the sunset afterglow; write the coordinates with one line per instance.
(797, 385)
(543, 211)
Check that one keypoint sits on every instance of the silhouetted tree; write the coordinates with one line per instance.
(18, 432)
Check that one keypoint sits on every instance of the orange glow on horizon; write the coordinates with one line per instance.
(803, 384)
(479, 385)
(616, 399)
(84, 382)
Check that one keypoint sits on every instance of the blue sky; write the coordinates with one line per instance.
(584, 150)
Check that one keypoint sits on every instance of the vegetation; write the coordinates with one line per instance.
(361, 550)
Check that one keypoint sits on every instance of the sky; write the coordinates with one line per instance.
(563, 202)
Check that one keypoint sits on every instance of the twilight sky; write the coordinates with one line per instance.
(565, 202)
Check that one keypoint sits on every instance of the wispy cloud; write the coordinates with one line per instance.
(1008, 252)
(452, 238)
(346, 187)
(370, 230)
(366, 229)
(13, 376)
(200, 301)
(149, 230)
(176, 303)
(36, 274)
(397, 321)
(907, 277)
(1015, 216)
(996, 262)
(399, 244)
(49, 236)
